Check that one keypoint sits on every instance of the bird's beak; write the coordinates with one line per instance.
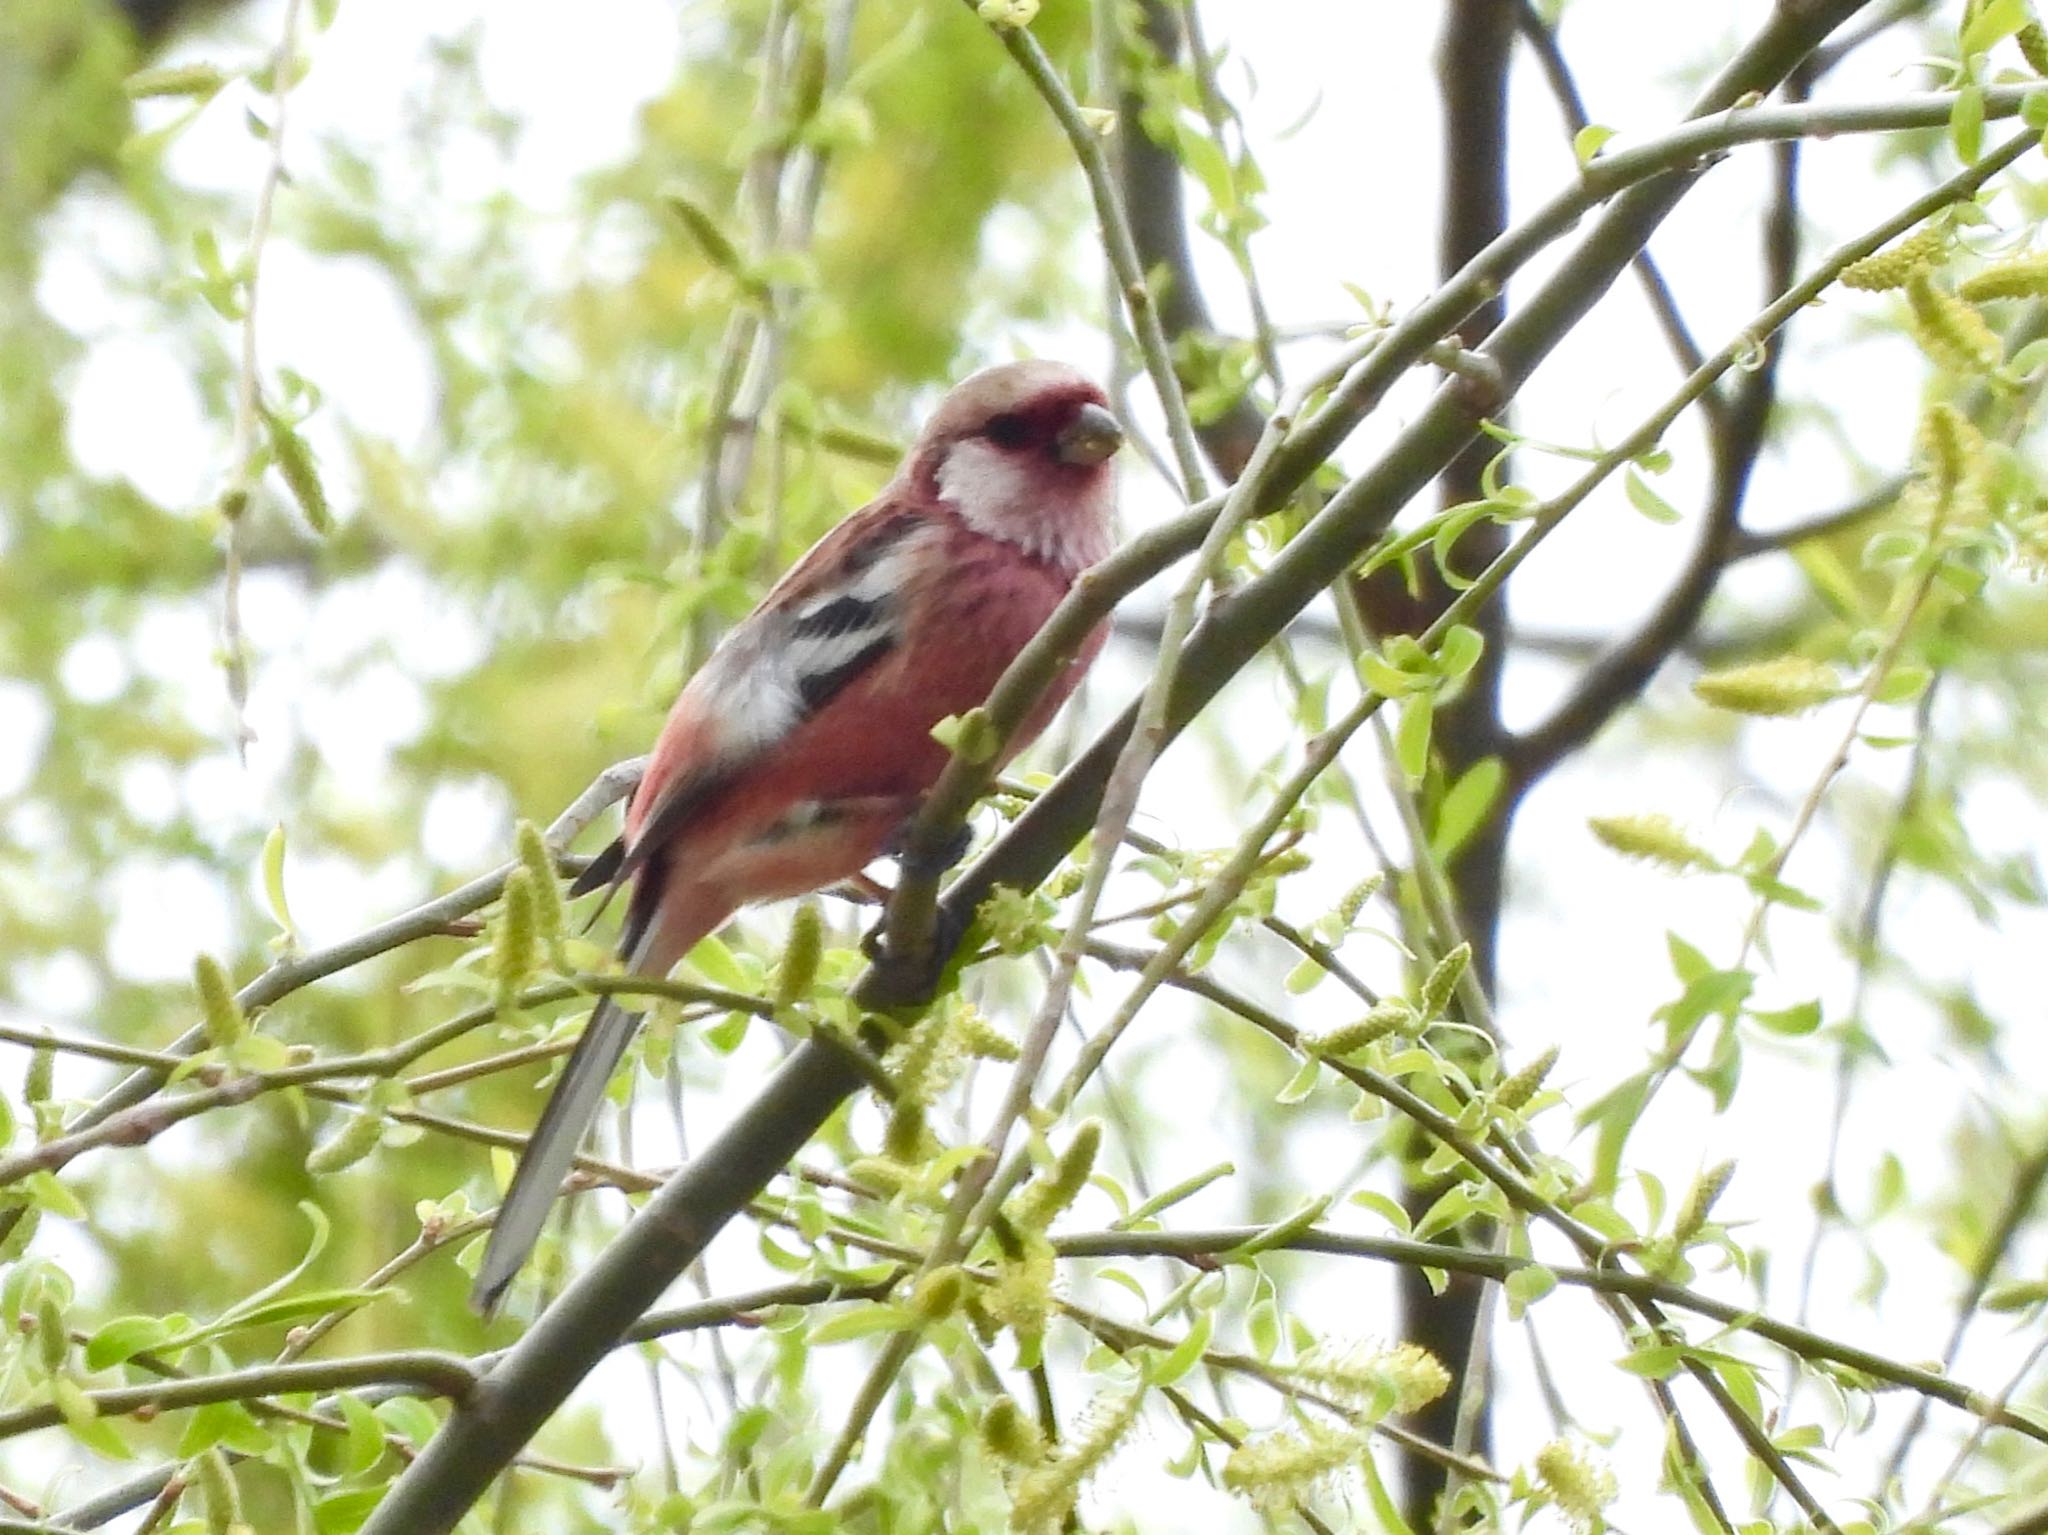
(1089, 438)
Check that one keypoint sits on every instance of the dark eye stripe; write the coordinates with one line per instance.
(841, 615)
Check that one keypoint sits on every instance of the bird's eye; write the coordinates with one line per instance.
(1007, 431)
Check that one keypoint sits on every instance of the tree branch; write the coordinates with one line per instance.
(672, 1230)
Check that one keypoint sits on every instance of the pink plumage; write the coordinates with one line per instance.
(796, 753)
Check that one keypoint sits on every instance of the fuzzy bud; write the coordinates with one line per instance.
(982, 1039)
(1579, 1486)
(1356, 897)
(801, 952)
(218, 1009)
(2022, 277)
(1021, 1297)
(1956, 463)
(886, 1175)
(1893, 266)
(904, 1137)
(1442, 981)
(1045, 1494)
(1376, 1380)
(1059, 1185)
(1784, 685)
(939, 1294)
(1951, 329)
(518, 937)
(1389, 1017)
(356, 1139)
(1652, 838)
(539, 863)
(1517, 1090)
(1010, 1434)
(1699, 1201)
(1275, 1471)
(926, 1060)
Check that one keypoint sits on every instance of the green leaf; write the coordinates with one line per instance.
(2016, 1295)
(1659, 1361)
(273, 886)
(198, 80)
(1465, 806)
(300, 469)
(1587, 142)
(1460, 651)
(1647, 501)
(365, 1435)
(122, 1339)
(1411, 736)
(1382, 1205)
(1995, 21)
(1301, 1084)
(1526, 1286)
(1966, 122)
(1793, 1022)
(1165, 1369)
(864, 1322)
(712, 960)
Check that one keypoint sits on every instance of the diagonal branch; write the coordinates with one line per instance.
(673, 1229)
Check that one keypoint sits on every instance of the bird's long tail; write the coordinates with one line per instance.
(551, 1151)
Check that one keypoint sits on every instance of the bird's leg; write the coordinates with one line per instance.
(931, 866)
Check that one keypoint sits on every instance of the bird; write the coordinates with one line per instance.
(796, 753)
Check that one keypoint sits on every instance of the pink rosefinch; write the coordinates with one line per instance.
(803, 744)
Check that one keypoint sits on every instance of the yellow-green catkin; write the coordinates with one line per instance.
(1060, 1185)
(1376, 1379)
(1895, 265)
(1579, 1486)
(1956, 463)
(982, 1039)
(801, 952)
(1442, 981)
(2033, 43)
(1275, 1471)
(1388, 1017)
(518, 937)
(1356, 897)
(1699, 1201)
(218, 1010)
(550, 921)
(1516, 1091)
(1781, 686)
(1022, 1295)
(1653, 838)
(1046, 1494)
(1951, 329)
(938, 1294)
(1010, 1434)
(217, 1487)
(356, 1139)
(2021, 277)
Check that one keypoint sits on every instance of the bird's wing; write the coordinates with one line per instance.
(836, 614)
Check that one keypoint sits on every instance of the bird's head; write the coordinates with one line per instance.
(1022, 453)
